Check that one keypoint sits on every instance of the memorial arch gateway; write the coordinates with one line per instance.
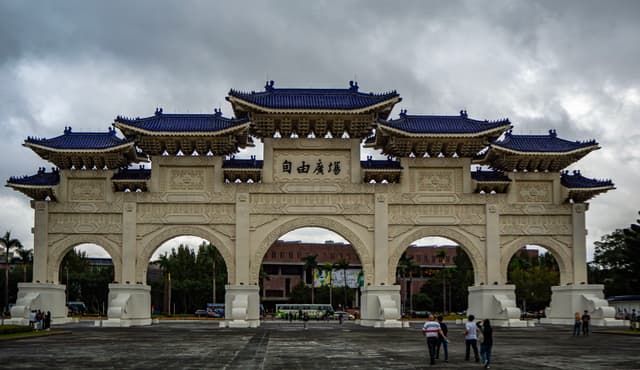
(311, 175)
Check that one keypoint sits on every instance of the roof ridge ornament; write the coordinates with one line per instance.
(269, 86)
(403, 113)
(217, 112)
(158, 111)
(463, 113)
(353, 86)
(552, 133)
(67, 130)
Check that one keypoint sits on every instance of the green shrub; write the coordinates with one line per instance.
(13, 329)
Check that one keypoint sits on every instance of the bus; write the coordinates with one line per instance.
(314, 311)
(218, 309)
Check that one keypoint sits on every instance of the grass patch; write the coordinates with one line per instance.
(624, 332)
(15, 329)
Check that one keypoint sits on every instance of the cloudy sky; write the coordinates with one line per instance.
(572, 66)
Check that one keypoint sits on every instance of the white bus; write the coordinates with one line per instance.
(314, 311)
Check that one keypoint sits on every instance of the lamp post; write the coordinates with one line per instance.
(444, 288)
(66, 268)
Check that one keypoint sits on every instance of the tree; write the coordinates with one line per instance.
(533, 278)
(616, 261)
(442, 256)
(210, 255)
(165, 265)
(406, 267)
(10, 244)
(310, 264)
(328, 268)
(343, 264)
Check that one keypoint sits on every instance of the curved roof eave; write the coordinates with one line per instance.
(392, 101)
(238, 127)
(473, 135)
(574, 151)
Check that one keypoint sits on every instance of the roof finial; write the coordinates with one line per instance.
(552, 133)
(269, 85)
(463, 113)
(67, 130)
(353, 85)
(217, 112)
(112, 130)
(403, 113)
(158, 111)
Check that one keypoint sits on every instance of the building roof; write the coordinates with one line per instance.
(42, 178)
(162, 123)
(577, 181)
(312, 98)
(550, 143)
(624, 298)
(141, 174)
(385, 164)
(489, 176)
(79, 141)
(444, 125)
(242, 163)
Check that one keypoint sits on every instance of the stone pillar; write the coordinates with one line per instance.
(40, 296)
(242, 306)
(129, 250)
(492, 243)
(380, 306)
(495, 302)
(355, 161)
(381, 240)
(578, 296)
(579, 245)
(41, 242)
(267, 163)
(568, 299)
(242, 301)
(129, 305)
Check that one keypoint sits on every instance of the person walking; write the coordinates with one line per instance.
(431, 330)
(442, 340)
(577, 324)
(471, 338)
(586, 319)
(47, 321)
(305, 320)
(487, 343)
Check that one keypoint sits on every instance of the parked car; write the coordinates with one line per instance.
(76, 308)
(345, 315)
(205, 313)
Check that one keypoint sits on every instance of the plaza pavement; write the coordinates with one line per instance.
(325, 345)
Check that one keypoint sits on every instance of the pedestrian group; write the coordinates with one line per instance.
(39, 320)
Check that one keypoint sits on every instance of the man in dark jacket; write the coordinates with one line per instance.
(442, 341)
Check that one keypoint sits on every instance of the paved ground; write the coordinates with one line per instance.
(278, 345)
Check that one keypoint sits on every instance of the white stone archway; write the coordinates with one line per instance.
(59, 249)
(559, 250)
(152, 242)
(401, 243)
(335, 224)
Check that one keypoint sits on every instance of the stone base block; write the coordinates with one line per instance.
(496, 303)
(566, 300)
(242, 306)
(381, 306)
(129, 305)
(40, 296)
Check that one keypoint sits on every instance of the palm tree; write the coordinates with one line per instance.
(261, 278)
(165, 264)
(406, 266)
(311, 263)
(27, 257)
(216, 258)
(343, 264)
(9, 245)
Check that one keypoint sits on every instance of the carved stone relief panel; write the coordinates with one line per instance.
(535, 191)
(440, 180)
(436, 214)
(523, 209)
(186, 179)
(186, 213)
(85, 223)
(311, 165)
(535, 224)
(83, 190)
(312, 203)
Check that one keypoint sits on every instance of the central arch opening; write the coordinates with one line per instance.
(187, 275)
(311, 270)
(434, 274)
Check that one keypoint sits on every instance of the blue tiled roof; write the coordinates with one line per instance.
(80, 140)
(132, 174)
(576, 180)
(385, 164)
(42, 178)
(461, 124)
(337, 99)
(242, 163)
(161, 122)
(489, 176)
(550, 143)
